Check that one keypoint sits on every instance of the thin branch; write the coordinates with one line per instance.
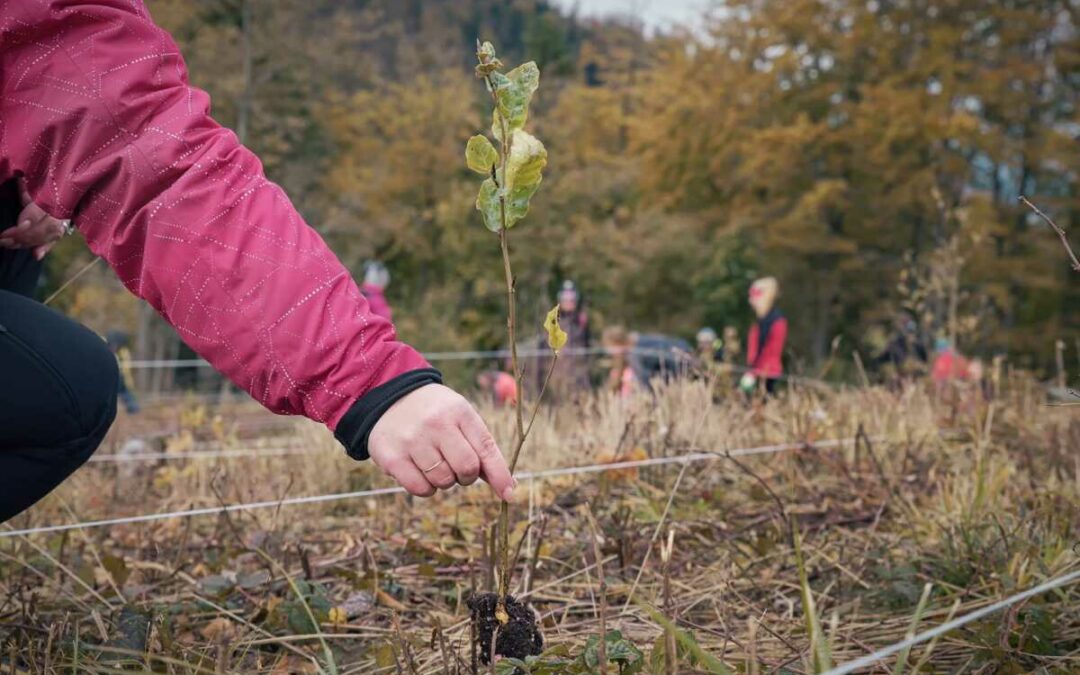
(536, 409)
(1056, 228)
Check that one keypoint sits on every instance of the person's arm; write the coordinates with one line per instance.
(96, 112)
(752, 346)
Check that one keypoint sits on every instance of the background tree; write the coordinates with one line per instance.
(869, 154)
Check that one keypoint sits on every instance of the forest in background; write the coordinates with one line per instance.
(867, 153)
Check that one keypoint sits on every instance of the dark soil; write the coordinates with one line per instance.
(518, 638)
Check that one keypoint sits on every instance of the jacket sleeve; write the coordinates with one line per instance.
(752, 345)
(769, 362)
(96, 112)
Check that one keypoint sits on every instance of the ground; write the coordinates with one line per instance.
(962, 498)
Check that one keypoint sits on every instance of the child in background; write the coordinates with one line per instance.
(765, 344)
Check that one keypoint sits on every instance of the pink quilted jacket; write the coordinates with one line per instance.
(96, 112)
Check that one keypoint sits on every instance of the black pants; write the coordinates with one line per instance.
(58, 383)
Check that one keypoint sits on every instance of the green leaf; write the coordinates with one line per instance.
(617, 650)
(510, 666)
(481, 155)
(524, 168)
(487, 203)
(513, 93)
(524, 171)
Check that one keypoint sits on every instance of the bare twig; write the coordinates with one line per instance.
(1060, 232)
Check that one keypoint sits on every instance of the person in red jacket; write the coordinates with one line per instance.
(499, 386)
(376, 279)
(101, 131)
(765, 343)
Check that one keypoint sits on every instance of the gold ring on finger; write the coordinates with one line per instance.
(434, 466)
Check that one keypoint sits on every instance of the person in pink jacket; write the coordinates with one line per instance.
(376, 279)
(765, 343)
(100, 131)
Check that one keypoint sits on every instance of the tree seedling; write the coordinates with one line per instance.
(513, 171)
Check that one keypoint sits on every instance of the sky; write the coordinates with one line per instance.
(655, 13)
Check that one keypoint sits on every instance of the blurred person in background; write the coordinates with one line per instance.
(732, 345)
(710, 348)
(499, 387)
(949, 364)
(571, 375)
(904, 355)
(768, 335)
(103, 133)
(376, 279)
(621, 379)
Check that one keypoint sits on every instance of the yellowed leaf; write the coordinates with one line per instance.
(338, 616)
(556, 335)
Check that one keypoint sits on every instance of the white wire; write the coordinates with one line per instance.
(550, 473)
(430, 356)
(871, 659)
(197, 454)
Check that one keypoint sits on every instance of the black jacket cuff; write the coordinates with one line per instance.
(356, 425)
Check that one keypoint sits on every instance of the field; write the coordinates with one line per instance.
(965, 500)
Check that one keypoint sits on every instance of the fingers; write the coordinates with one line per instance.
(410, 477)
(461, 457)
(24, 194)
(33, 228)
(492, 464)
(41, 251)
(432, 438)
(435, 468)
(32, 216)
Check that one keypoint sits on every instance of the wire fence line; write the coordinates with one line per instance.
(886, 652)
(684, 359)
(121, 457)
(430, 356)
(314, 499)
(235, 453)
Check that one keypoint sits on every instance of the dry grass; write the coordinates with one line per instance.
(977, 499)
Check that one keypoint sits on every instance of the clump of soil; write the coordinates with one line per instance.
(517, 638)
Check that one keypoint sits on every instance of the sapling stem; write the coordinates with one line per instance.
(510, 94)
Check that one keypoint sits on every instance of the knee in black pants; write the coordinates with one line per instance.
(57, 399)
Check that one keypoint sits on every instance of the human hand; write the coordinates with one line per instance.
(432, 438)
(34, 228)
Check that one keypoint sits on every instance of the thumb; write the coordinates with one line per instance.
(24, 193)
